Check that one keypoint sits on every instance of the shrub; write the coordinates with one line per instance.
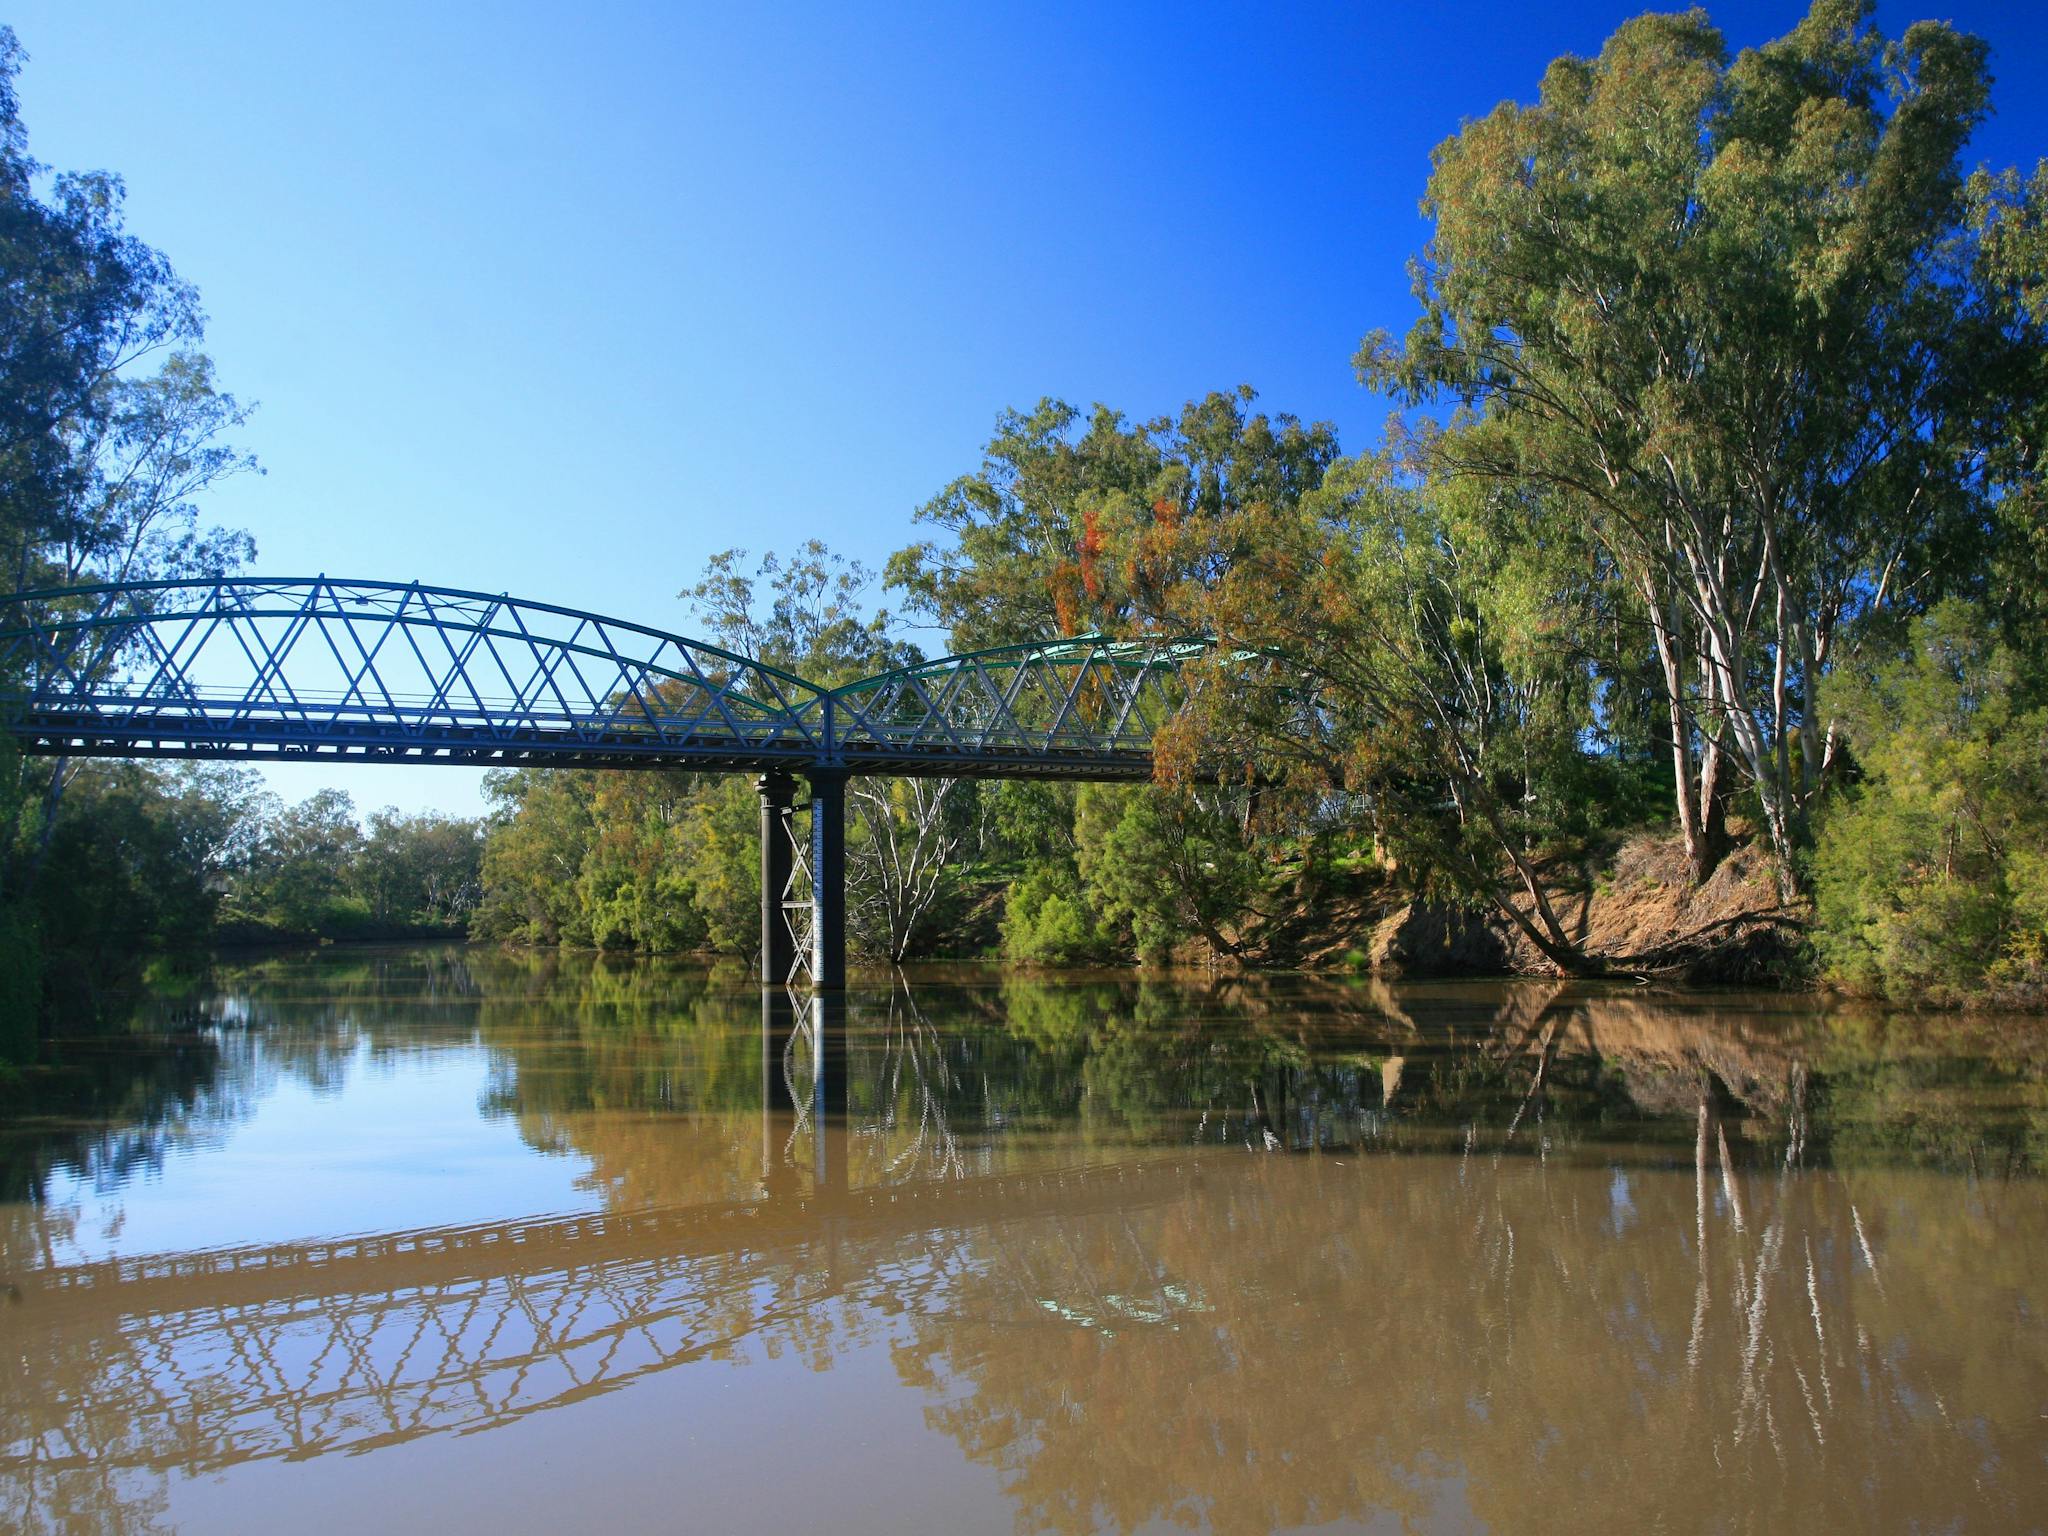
(1047, 919)
(1931, 874)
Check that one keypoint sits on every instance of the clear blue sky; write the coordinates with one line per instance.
(559, 302)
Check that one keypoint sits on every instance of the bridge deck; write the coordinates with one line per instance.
(55, 733)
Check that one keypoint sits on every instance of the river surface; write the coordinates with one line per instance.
(454, 1241)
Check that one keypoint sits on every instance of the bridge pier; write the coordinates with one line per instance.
(778, 865)
(791, 918)
(828, 878)
(832, 1144)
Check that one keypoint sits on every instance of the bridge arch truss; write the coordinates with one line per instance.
(348, 670)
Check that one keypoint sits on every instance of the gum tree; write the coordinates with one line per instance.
(1726, 314)
(111, 425)
(1418, 651)
(1075, 524)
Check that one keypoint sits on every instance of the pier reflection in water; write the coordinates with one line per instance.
(1046, 1255)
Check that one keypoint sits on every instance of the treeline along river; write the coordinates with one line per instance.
(548, 1241)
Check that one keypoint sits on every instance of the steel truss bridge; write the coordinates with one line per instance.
(318, 668)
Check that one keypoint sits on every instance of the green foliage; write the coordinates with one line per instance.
(1161, 865)
(309, 870)
(99, 461)
(126, 869)
(2009, 217)
(1048, 921)
(111, 424)
(1068, 528)
(142, 862)
(1932, 875)
(1735, 319)
(803, 614)
(1019, 820)
(21, 982)
(633, 884)
(128, 862)
(422, 869)
(1432, 663)
(299, 872)
(655, 861)
(541, 832)
(725, 865)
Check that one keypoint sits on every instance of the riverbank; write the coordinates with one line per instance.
(1633, 910)
(1629, 903)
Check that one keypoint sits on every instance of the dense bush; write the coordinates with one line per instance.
(1932, 872)
(1048, 921)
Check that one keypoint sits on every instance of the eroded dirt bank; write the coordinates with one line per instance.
(1633, 909)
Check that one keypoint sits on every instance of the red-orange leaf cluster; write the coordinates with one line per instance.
(1092, 543)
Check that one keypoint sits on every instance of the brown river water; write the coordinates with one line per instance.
(453, 1241)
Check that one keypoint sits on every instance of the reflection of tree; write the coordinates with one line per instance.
(629, 1064)
(1676, 1245)
(1970, 1095)
(1563, 1347)
(109, 1107)
(651, 1070)
(909, 1123)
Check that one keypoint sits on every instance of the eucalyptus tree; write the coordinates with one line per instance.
(1076, 523)
(1727, 314)
(806, 613)
(2010, 215)
(1092, 522)
(111, 420)
(111, 425)
(1419, 652)
(912, 832)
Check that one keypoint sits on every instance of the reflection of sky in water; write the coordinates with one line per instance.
(1145, 1316)
(1621, 1205)
(398, 1144)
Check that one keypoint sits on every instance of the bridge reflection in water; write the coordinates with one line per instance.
(1284, 1322)
(205, 1360)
